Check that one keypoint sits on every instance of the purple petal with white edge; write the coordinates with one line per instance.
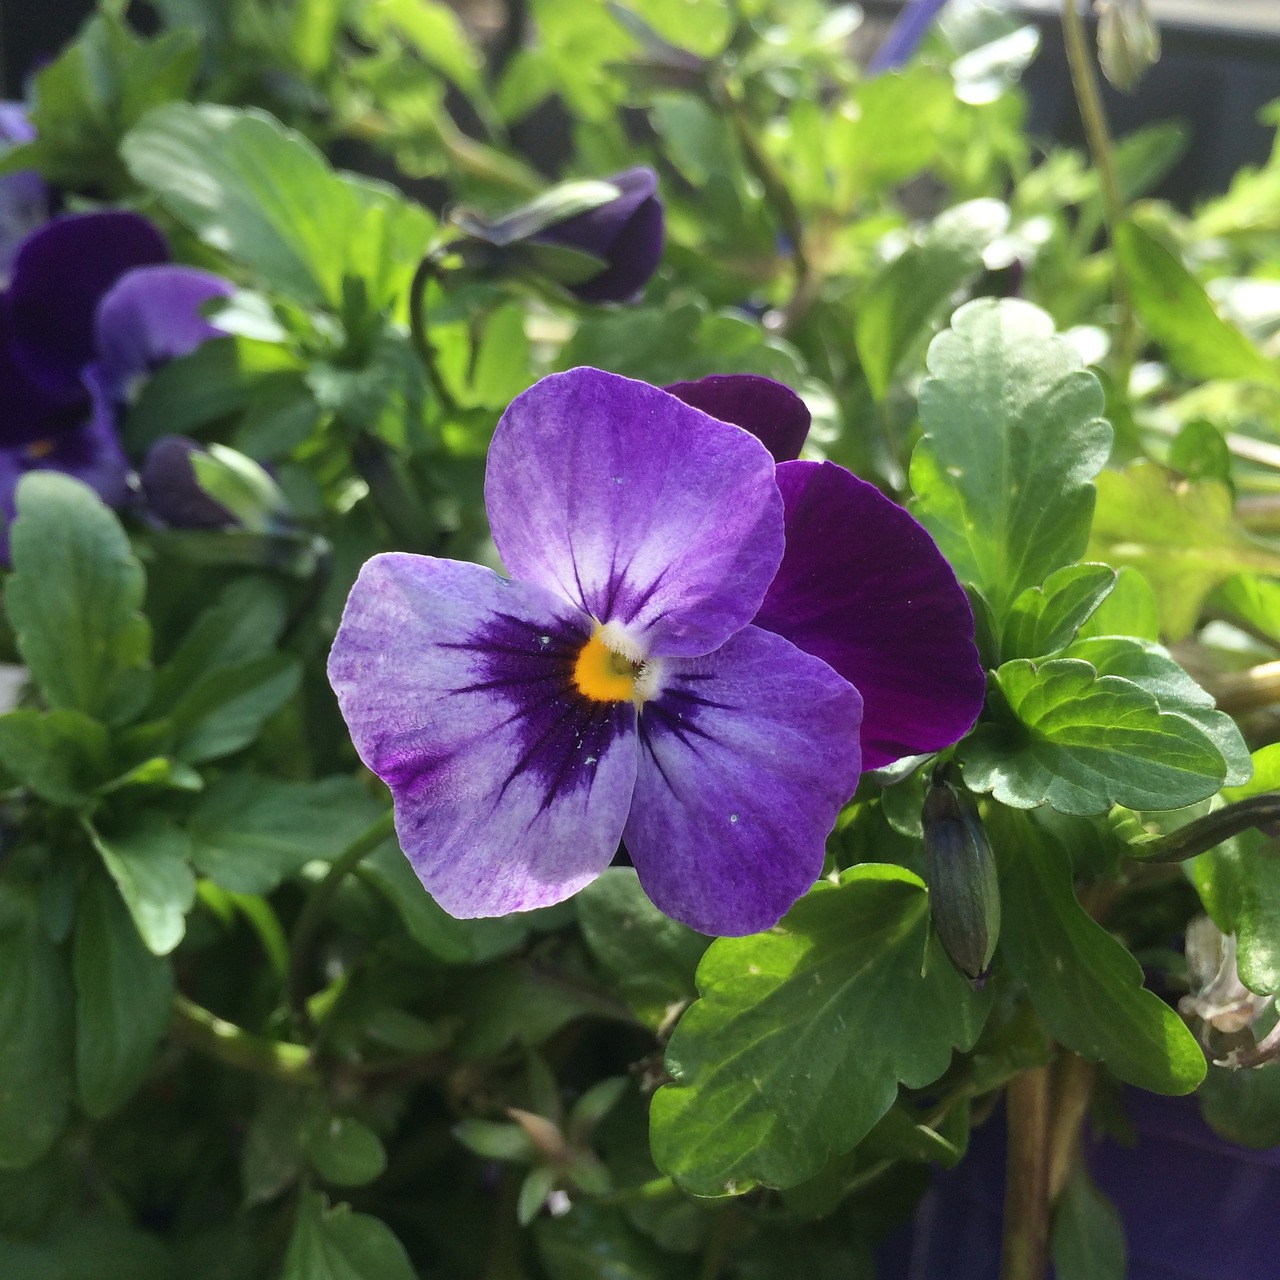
(773, 413)
(864, 587)
(639, 509)
(746, 756)
(60, 274)
(90, 453)
(150, 315)
(511, 788)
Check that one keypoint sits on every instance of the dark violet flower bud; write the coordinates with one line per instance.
(964, 894)
(600, 240)
(189, 486)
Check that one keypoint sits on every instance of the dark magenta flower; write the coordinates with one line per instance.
(616, 688)
(90, 307)
(861, 585)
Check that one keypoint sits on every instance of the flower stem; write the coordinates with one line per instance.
(428, 270)
(231, 1044)
(1196, 837)
(317, 903)
(1073, 1087)
(1093, 116)
(1026, 1202)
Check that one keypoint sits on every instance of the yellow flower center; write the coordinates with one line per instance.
(603, 675)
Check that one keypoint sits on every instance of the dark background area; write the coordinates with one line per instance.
(1214, 80)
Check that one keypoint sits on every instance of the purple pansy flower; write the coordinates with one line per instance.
(24, 197)
(909, 28)
(617, 687)
(626, 233)
(90, 307)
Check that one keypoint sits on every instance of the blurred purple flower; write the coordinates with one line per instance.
(904, 36)
(617, 688)
(88, 308)
(627, 233)
(24, 197)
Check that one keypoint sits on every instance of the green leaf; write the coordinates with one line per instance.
(893, 313)
(802, 1034)
(73, 600)
(61, 755)
(593, 1242)
(336, 1244)
(434, 32)
(1243, 1106)
(248, 833)
(35, 1043)
(1179, 315)
(1012, 439)
(1087, 1241)
(148, 862)
(265, 196)
(124, 1000)
(1130, 610)
(650, 957)
(1046, 619)
(1239, 884)
(226, 710)
(1181, 536)
(1085, 985)
(1082, 742)
(1150, 667)
(344, 1151)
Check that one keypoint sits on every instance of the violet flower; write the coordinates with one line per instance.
(909, 28)
(90, 308)
(617, 688)
(24, 196)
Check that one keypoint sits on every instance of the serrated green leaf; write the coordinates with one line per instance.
(1179, 315)
(1045, 619)
(650, 957)
(73, 600)
(148, 862)
(1087, 1240)
(1150, 667)
(1012, 440)
(35, 1043)
(1181, 536)
(336, 1244)
(61, 755)
(249, 832)
(892, 314)
(802, 1034)
(1085, 985)
(344, 1151)
(124, 1000)
(1082, 742)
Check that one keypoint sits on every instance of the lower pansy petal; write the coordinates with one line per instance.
(746, 756)
(511, 788)
(645, 512)
(863, 586)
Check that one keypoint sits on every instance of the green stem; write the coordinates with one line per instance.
(717, 1250)
(1093, 116)
(1026, 1202)
(429, 269)
(195, 1025)
(1261, 811)
(317, 904)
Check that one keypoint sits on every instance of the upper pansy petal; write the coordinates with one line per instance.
(746, 756)
(864, 587)
(643, 511)
(150, 315)
(60, 274)
(773, 413)
(510, 789)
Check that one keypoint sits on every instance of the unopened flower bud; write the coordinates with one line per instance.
(190, 486)
(1128, 41)
(964, 895)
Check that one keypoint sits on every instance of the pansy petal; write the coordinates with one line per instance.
(511, 789)
(31, 411)
(150, 315)
(773, 413)
(60, 274)
(864, 587)
(745, 759)
(641, 510)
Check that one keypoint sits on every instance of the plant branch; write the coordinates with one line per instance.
(1026, 1202)
(196, 1026)
(1196, 837)
(429, 269)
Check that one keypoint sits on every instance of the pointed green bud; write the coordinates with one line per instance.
(964, 895)
(1128, 41)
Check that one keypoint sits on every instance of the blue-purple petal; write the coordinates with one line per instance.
(641, 510)
(511, 789)
(909, 29)
(60, 274)
(24, 196)
(863, 587)
(773, 413)
(29, 410)
(151, 315)
(746, 757)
